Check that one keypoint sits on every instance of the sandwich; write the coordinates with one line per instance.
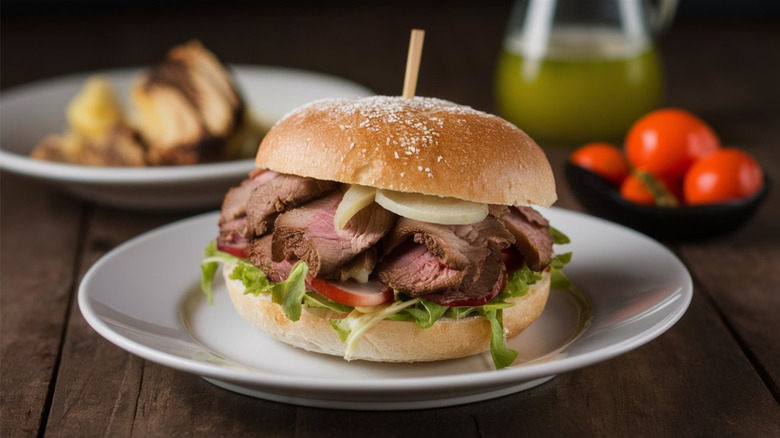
(391, 229)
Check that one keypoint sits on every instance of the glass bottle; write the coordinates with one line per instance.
(576, 71)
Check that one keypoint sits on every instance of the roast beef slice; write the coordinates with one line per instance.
(415, 271)
(280, 194)
(532, 236)
(423, 258)
(234, 204)
(307, 233)
(457, 246)
(260, 256)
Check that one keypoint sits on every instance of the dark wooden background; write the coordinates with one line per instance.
(715, 373)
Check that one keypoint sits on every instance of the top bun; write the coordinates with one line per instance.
(419, 145)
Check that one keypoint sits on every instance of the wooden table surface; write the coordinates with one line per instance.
(715, 373)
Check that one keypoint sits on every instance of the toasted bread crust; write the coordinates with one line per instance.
(419, 145)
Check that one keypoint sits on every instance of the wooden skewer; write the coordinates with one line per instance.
(413, 62)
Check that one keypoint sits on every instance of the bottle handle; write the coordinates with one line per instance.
(664, 15)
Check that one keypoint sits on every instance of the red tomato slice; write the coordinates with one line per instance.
(234, 244)
(352, 293)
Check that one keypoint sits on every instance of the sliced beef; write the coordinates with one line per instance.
(490, 285)
(415, 271)
(233, 226)
(456, 246)
(423, 258)
(280, 194)
(260, 256)
(234, 205)
(532, 235)
(485, 277)
(307, 233)
(496, 210)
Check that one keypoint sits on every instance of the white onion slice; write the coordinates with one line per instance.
(355, 199)
(434, 209)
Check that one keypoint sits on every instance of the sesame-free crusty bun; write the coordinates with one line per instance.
(419, 145)
(387, 341)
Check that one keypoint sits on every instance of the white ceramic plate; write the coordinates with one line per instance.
(144, 296)
(31, 112)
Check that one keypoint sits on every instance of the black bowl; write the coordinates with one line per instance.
(599, 197)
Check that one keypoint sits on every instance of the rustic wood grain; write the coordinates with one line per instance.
(665, 388)
(98, 384)
(736, 91)
(173, 404)
(40, 237)
(739, 273)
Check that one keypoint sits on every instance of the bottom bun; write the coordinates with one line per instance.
(387, 341)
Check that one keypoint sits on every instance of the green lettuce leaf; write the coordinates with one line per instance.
(401, 316)
(253, 278)
(314, 299)
(518, 283)
(426, 313)
(342, 328)
(502, 355)
(559, 280)
(561, 260)
(209, 265)
(558, 237)
(460, 312)
(351, 328)
(288, 293)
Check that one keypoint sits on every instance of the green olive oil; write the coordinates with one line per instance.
(590, 85)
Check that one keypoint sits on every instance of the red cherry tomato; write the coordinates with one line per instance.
(353, 293)
(635, 191)
(721, 176)
(666, 142)
(235, 244)
(604, 159)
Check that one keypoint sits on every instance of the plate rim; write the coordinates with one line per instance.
(271, 380)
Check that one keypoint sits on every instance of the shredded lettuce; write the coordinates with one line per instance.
(209, 265)
(558, 237)
(519, 282)
(426, 313)
(254, 280)
(313, 299)
(559, 280)
(502, 355)
(460, 312)
(288, 293)
(351, 328)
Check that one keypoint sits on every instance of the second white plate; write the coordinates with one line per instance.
(31, 112)
(144, 296)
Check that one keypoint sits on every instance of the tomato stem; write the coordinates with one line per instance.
(661, 194)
